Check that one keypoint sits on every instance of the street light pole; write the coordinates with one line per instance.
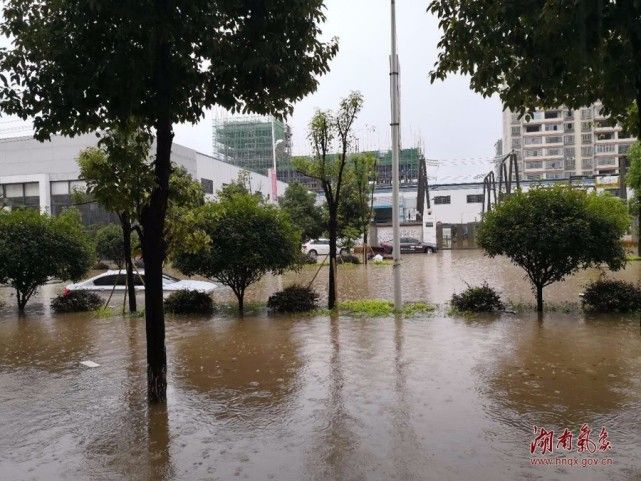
(396, 146)
(274, 178)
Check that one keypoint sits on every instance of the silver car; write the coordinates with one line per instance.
(114, 279)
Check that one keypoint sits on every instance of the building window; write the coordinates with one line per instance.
(570, 163)
(554, 114)
(586, 114)
(516, 131)
(442, 199)
(533, 165)
(533, 128)
(533, 140)
(516, 143)
(569, 127)
(208, 186)
(586, 126)
(556, 139)
(554, 165)
(533, 152)
(605, 148)
(552, 152)
(605, 136)
(607, 161)
(586, 151)
(551, 127)
(568, 139)
(532, 176)
(623, 149)
(475, 199)
(586, 139)
(587, 163)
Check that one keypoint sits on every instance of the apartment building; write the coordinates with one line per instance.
(563, 143)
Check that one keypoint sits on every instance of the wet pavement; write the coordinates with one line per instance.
(434, 397)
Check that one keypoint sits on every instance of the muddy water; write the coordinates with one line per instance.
(326, 398)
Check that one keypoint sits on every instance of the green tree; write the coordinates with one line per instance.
(248, 239)
(633, 180)
(325, 130)
(553, 232)
(110, 245)
(77, 67)
(545, 54)
(355, 212)
(119, 177)
(301, 206)
(35, 247)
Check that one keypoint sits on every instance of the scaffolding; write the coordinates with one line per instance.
(251, 141)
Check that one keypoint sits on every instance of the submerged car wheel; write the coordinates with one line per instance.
(430, 250)
(343, 252)
(313, 254)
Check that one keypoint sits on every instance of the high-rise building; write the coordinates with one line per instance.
(252, 141)
(562, 143)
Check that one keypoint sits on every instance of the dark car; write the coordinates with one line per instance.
(410, 245)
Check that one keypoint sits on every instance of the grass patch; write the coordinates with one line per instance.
(564, 307)
(382, 308)
(633, 258)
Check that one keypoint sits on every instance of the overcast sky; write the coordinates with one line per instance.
(450, 120)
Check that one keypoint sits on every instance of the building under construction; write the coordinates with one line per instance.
(252, 142)
(409, 169)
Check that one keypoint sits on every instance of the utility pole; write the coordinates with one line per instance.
(274, 177)
(396, 147)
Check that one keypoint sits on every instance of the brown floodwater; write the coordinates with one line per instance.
(434, 397)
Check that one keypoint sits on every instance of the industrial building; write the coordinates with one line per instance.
(44, 174)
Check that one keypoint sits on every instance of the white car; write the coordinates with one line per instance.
(106, 281)
(320, 247)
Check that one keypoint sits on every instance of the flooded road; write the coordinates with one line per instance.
(325, 398)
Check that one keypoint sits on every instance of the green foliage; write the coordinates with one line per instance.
(512, 48)
(189, 302)
(295, 298)
(35, 247)
(300, 205)
(355, 211)
(607, 295)
(477, 299)
(553, 232)
(210, 53)
(109, 244)
(118, 172)
(76, 301)
(633, 174)
(248, 240)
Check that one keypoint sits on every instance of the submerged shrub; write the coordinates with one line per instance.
(477, 299)
(76, 301)
(367, 307)
(189, 302)
(607, 295)
(294, 298)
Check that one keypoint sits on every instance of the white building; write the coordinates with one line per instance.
(561, 143)
(44, 174)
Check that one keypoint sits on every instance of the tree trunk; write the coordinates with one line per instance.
(333, 235)
(539, 299)
(639, 226)
(125, 223)
(241, 302)
(153, 246)
(365, 247)
(22, 301)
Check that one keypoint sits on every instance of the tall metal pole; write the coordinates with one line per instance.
(274, 179)
(396, 146)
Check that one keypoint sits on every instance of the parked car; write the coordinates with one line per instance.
(106, 280)
(320, 247)
(410, 245)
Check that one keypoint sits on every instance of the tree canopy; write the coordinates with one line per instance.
(248, 239)
(35, 247)
(553, 232)
(544, 54)
(300, 205)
